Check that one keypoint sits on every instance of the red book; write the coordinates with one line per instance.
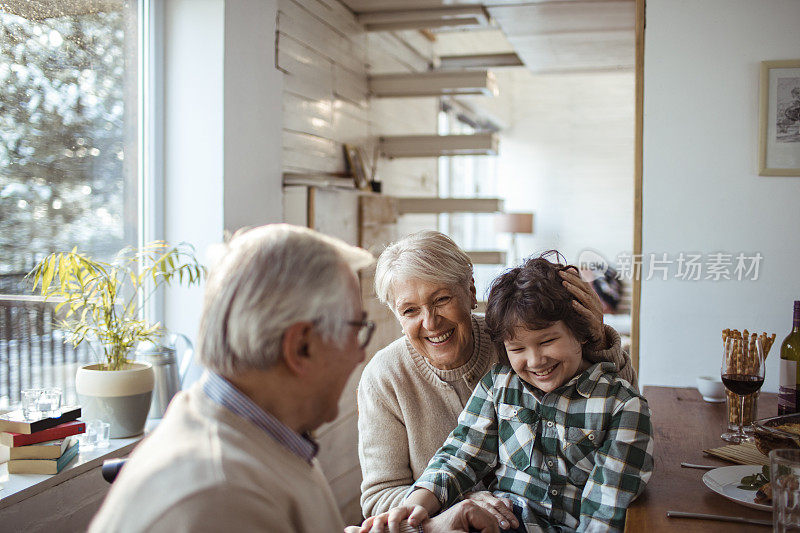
(57, 432)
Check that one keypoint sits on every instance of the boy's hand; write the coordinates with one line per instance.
(500, 508)
(391, 519)
(587, 303)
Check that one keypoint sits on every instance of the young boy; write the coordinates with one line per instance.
(569, 442)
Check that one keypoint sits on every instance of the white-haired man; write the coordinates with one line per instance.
(281, 331)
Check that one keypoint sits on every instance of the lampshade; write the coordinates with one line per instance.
(514, 222)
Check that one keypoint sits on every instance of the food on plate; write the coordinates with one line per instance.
(790, 428)
(764, 494)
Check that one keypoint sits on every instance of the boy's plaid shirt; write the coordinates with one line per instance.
(574, 458)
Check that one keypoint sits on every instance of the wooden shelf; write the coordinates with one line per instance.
(439, 145)
(423, 205)
(481, 61)
(474, 82)
(487, 257)
(337, 180)
(462, 17)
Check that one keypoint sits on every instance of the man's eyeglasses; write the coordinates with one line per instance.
(365, 330)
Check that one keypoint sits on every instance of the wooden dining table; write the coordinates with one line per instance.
(684, 425)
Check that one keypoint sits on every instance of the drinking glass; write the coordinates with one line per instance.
(30, 403)
(49, 402)
(103, 431)
(742, 373)
(784, 475)
(88, 439)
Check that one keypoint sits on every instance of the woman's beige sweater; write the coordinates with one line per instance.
(405, 411)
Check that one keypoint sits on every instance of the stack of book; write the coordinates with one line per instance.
(39, 445)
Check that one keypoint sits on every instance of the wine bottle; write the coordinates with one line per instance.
(790, 358)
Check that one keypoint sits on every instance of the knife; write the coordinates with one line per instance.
(701, 467)
(701, 516)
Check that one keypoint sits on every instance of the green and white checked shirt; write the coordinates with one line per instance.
(573, 459)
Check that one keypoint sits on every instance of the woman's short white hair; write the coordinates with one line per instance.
(430, 256)
(267, 279)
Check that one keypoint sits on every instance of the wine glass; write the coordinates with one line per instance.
(742, 374)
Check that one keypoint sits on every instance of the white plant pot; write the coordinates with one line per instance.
(119, 397)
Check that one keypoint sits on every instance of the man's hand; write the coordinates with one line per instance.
(501, 509)
(588, 304)
(461, 518)
(465, 516)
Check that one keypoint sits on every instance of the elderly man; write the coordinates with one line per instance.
(281, 331)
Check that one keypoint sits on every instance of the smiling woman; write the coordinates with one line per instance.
(412, 392)
(436, 320)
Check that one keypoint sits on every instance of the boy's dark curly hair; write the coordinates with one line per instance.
(533, 296)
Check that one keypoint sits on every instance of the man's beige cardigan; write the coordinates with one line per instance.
(405, 412)
(207, 469)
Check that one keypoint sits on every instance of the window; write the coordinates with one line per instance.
(469, 177)
(69, 145)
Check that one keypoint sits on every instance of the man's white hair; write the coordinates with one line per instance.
(267, 279)
(430, 256)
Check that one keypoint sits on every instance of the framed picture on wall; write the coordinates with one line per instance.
(355, 164)
(779, 119)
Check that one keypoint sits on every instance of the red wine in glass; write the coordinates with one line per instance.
(742, 384)
(742, 373)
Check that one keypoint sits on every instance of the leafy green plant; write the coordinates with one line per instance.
(758, 479)
(103, 301)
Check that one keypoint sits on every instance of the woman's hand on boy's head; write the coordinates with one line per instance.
(587, 303)
(501, 508)
(390, 520)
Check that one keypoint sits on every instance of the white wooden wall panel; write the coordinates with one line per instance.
(307, 116)
(307, 88)
(390, 53)
(302, 162)
(303, 142)
(295, 205)
(334, 13)
(336, 213)
(299, 60)
(350, 124)
(349, 85)
(302, 25)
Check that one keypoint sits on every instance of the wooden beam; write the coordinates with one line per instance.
(421, 205)
(485, 257)
(439, 145)
(419, 19)
(476, 82)
(471, 61)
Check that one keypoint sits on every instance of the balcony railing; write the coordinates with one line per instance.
(32, 349)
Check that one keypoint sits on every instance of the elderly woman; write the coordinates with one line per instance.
(412, 391)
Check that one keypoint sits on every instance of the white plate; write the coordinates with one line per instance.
(724, 481)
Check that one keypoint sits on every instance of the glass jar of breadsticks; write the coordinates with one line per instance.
(746, 347)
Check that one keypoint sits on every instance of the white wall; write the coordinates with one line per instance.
(701, 188)
(568, 157)
(253, 115)
(222, 129)
(193, 139)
